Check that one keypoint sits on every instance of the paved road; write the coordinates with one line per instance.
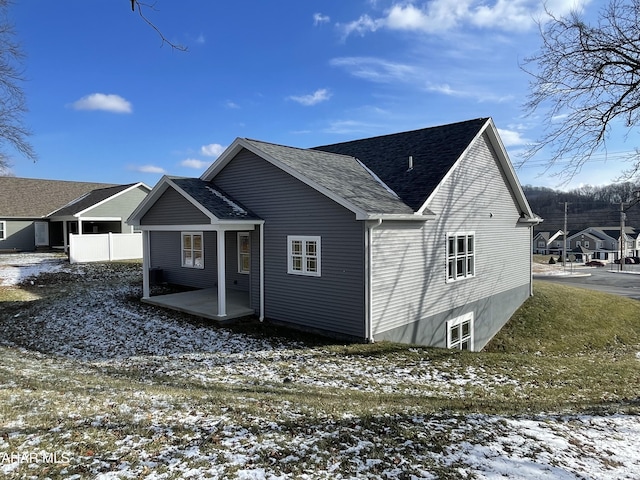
(604, 280)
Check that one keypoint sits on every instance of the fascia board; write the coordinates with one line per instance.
(98, 219)
(63, 218)
(239, 225)
(240, 143)
(412, 217)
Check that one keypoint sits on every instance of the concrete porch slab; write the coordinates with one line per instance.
(204, 303)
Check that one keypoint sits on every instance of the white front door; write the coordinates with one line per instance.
(42, 233)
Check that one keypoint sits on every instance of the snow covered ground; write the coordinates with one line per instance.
(16, 267)
(154, 434)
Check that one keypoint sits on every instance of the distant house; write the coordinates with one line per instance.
(385, 238)
(38, 213)
(602, 243)
(546, 243)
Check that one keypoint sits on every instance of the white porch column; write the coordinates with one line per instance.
(79, 226)
(65, 235)
(146, 263)
(222, 285)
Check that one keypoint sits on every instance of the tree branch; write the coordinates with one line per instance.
(587, 79)
(140, 6)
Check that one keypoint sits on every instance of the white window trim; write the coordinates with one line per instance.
(467, 317)
(303, 239)
(240, 270)
(3, 230)
(457, 278)
(192, 234)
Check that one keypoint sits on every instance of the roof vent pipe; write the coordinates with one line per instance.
(410, 162)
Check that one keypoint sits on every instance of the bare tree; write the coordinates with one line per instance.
(141, 6)
(589, 78)
(13, 134)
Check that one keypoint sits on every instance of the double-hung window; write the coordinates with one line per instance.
(303, 255)
(461, 259)
(3, 230)
(244, 253)
(460, 332)
(192, 250)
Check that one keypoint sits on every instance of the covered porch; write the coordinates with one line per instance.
(204, 303)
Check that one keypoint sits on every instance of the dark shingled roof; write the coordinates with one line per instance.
(434, 151)
(88, 200)
(213, 199)
(34, 198)
(342, 175)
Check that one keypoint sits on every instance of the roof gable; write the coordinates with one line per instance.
(433, 151)
(216, 205)
(390, 176)
(35, 198)
(221, 205)
(342, 178)
(94, 198)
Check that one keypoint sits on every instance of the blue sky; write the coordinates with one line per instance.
(108, 103)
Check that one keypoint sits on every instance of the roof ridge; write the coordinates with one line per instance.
(306, 149)
(408, 132)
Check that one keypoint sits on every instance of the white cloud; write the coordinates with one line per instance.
(438, 16)
(361, 26)
(473, 92)
(148, 169)
(512, 138)
(106, 102)
(318, 18)
(375, 69)
(194, 163)
(320, 95)
(231, 104)
(212, 150)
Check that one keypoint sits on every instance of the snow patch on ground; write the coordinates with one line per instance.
(17, 267)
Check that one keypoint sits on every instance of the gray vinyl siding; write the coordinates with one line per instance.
(409, 261)
(19, 235)
(432, 330)
(166, 254)
(331, 303)
(235, 280)
(173, 209)
(121, 206)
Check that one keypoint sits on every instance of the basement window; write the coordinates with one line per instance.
(460, 332)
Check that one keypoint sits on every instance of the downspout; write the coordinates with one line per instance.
(369, 320)
(261, 318)
(531, 261)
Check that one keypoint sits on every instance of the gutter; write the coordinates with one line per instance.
(369, 320)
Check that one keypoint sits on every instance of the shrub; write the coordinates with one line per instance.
(552, 261)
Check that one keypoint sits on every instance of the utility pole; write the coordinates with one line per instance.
(564, 232)
(623, 242)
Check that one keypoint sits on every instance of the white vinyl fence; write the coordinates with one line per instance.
(104, 246)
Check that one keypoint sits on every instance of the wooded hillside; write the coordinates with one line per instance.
(588, 206)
